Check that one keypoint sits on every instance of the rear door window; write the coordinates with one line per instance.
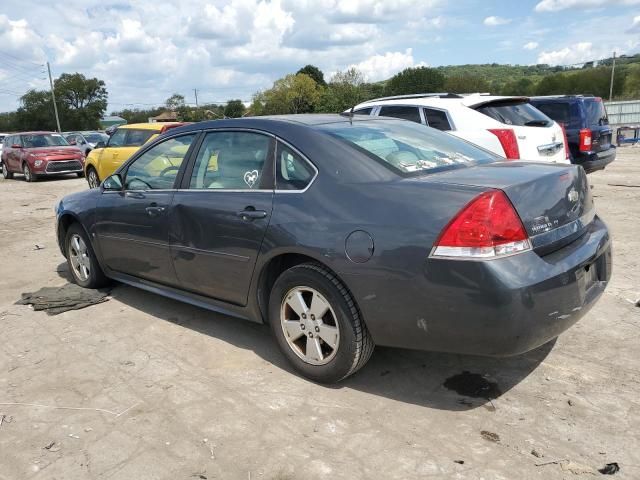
(437, 119)
(565, 113)
(404, 112)
(517, 113)
(595, 112)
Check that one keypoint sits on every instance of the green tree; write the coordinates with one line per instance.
(234, 109)
(315, 73)
(416, 80)
(36, 111)
(82, 101)
(345, 89)
(175, 102)
(632, 82)
(291, 94)
(465, 83)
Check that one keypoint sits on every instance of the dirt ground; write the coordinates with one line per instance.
(155, 389)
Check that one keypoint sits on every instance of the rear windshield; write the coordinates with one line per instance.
(515, 112)
(43, 140)
(408, 148)
(595, 112)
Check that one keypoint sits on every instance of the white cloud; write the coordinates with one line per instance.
(380, 67)
(557, 5)
(574, 54)
(530, 45)
(496, 21)
(635, 25)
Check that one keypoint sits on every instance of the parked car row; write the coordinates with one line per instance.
(559, 129)
(343, 232)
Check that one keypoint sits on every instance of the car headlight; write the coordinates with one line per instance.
(37, 163)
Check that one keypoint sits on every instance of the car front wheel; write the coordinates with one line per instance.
(92, 178)
(317, 324)
(28, 175)
(82, 260)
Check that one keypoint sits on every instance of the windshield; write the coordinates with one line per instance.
(518, 113)
(408, 148)
(43, 140)
(96, 137)
(596, 114)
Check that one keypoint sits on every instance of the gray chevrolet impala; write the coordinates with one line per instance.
(344, 233)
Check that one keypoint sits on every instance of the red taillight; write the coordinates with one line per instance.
(487, 227)
(566, 142)
(585, 140)
(508, 141)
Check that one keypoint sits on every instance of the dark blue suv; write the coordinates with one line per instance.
(585, 121)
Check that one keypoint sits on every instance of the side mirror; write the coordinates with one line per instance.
(112, 183)
(15, 145)
(100, 144)
(73, 142)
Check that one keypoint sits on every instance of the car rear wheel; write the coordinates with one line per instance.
(82, 260)
(6, 173)
(92, 178)
(28, 175)
(317, 324)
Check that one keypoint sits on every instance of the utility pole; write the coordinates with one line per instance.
(613, 69)
(195, 92)
(53, 97)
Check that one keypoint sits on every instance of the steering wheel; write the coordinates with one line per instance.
(169, 169)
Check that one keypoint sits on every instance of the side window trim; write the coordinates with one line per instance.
(269, 166)
(304, 158)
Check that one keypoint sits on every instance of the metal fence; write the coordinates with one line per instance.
(623, 112)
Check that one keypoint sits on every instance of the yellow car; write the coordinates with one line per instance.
(104, 160)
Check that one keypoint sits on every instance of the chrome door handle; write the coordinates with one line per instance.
(154, 211)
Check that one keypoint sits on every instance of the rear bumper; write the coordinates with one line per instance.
(499, 307)
(592, 161)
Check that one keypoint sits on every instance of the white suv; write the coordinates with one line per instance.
(507, 126)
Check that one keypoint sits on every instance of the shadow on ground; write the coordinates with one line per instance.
(404, 375)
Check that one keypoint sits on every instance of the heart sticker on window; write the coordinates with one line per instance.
(250, 178)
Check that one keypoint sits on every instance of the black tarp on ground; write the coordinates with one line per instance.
(55, 300)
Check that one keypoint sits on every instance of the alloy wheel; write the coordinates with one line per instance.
(310, 325)
(27, 173)
(79, 256)
(92, 179)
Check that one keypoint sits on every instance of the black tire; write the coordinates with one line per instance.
(355, 344)
(6, 173)
(96, 277)
(29, 176)
(92, 178)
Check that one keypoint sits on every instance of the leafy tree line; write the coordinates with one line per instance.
(307, 91)
(81, 104)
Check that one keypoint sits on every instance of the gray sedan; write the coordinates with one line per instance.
(344, 233)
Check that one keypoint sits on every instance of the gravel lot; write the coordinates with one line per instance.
(163, 390)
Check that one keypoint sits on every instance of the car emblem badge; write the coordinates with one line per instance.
(251, 177)
(573, 195)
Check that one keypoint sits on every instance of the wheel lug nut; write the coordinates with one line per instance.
(313, 317)
(304, 315)
(302, 326)
(318, 329)
(310, 335)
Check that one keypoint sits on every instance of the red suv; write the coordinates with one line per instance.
(36, 154)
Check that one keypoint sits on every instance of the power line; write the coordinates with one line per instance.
(21, 59)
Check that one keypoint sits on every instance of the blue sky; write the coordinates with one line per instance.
(145, 50)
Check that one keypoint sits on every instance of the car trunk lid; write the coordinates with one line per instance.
(554, 202)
